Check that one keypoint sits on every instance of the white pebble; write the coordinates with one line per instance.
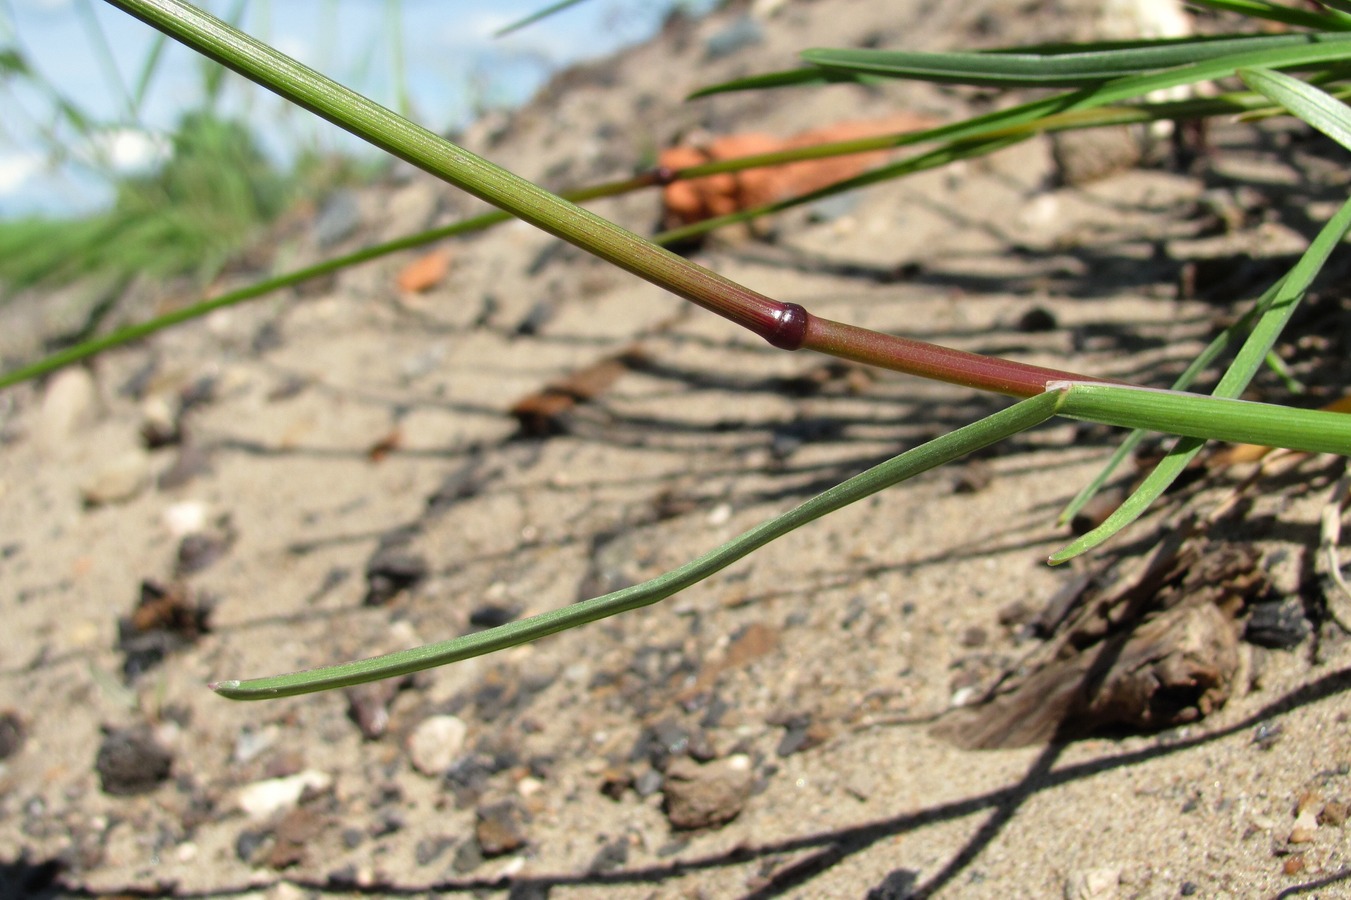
(263, 799)
(67, 405)
(118, 479)
(436, 743)
(183, 519)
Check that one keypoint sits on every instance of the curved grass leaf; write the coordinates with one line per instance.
(1069, 66)
(993, 132)
(1279, 12)
(1317, 108)
(129, 333)
(1285, 299)
(788, 78)
(1183, 381)
(953, 445)
(1204, 417)
(535, 16)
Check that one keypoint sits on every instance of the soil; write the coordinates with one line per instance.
(337, 472)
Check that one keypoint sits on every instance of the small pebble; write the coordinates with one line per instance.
(131, 761)
(183, 519)
(802, 733)
(1037, 319)
(67, 406)
(1306, 826)
(428, 850)
(436, 743)
(12, 734)
(491, 615)
(974, 636)
(118, 479)
(647, 783)
(1279, 625)
(339, 217)
(1334, 813)
(262, 799)
(368, 704)
(192, 460)
(249, 844)
(661, 741)
(611, 856)
(899, 884)
(708, 795)
(252, 742)
(1093, 884)
(392, 570)
(468, 857)
(501, 828)
(159, 424)
(1266, 736)
(199, 550)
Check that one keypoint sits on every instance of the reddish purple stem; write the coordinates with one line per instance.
(789, 326)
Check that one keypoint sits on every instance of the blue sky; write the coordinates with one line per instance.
(451, 64)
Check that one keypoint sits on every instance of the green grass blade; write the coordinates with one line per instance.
(1311, 51)
(535, 17)
(1341, 6)
(1324, 112)
(813, 76)
(103, 52)
(1316, 107)
(1019, 417)
(940, 156)
(991, 133)
(93, 346)
(149, 68)
(1219, 105)
(1210, 418)
(1071, 66)
(1184, 381)
(1319, 49)
(1232, 384)
(1278, 12)
(457, 166)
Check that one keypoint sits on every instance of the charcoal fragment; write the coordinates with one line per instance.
(391, 571)
(1278, 626)
(12, 734)
(130, 761)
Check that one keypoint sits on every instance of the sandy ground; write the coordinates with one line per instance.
(769, 733)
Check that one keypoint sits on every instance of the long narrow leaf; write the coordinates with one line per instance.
(1317, 108)
(814, 75)
(1210, 418)
(1235, 380)
(1073, 66)
(989, 133)
(1183, 381)
(1280, 12)
(136, 331)
(535, 17)
(946, 448)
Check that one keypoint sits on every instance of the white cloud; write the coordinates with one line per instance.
(17, 169)
(126, 150)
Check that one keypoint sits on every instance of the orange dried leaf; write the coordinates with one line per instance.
(686, 202)
(425, 272)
